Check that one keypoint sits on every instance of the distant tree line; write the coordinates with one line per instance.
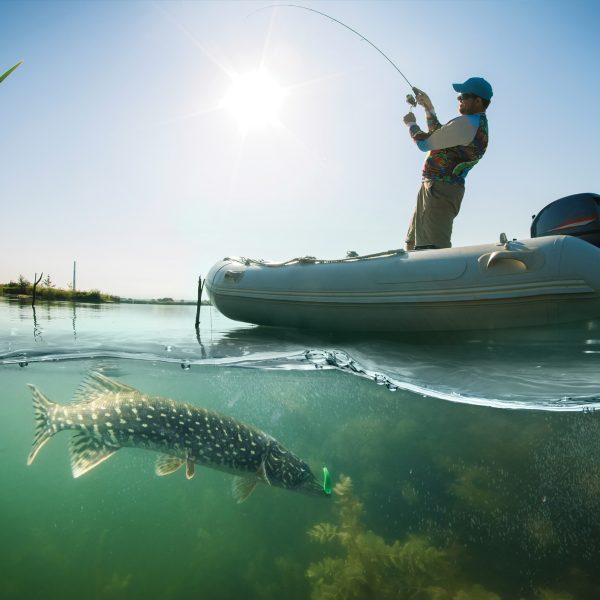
(48, 291)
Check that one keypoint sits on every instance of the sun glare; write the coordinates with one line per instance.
(254, 99)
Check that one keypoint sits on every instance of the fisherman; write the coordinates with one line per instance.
(453, 149)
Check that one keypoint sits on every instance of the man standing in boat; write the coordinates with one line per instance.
(453, 149)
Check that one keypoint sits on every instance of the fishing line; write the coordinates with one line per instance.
(360, 35)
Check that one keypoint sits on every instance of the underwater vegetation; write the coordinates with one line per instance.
(369, 567)
(365, 565)
(517, 493)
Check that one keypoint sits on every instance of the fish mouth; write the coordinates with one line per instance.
(313, 487)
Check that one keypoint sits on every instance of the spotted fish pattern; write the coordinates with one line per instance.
(107, 415)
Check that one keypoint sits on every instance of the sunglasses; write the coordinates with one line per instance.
(462, 97)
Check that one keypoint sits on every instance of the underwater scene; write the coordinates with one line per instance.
(463, 466)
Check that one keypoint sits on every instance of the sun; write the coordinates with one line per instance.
(254, 99)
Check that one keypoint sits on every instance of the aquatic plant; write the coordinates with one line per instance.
(369, 567)
(366, 566)
(474, 592)
(552, 595)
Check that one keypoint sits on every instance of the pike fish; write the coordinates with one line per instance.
(107, 415)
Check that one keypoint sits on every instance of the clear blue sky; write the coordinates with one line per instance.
(116, 151)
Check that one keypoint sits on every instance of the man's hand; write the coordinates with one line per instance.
(410, 119)
(423, 99)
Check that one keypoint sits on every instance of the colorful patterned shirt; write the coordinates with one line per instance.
(453, 149)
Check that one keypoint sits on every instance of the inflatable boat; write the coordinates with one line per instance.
(543, 280)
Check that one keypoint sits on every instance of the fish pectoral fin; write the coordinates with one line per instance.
(167, 464)
(242, 487)
(88, 452)
(262, 473)
(190, 469)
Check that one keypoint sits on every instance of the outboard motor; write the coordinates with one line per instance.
(577, 215)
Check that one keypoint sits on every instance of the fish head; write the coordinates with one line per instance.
(285, 469)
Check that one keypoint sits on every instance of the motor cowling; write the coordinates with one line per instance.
(577, 215)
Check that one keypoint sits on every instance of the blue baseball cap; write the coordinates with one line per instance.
(475, 85)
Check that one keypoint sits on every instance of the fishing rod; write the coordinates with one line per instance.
(409, 97)
(7, 73)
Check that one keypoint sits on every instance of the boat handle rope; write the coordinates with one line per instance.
(313, 260)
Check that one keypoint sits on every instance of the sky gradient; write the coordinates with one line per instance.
(116, 151)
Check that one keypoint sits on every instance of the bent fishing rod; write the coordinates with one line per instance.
(409, 97)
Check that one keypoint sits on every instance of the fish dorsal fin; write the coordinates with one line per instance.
(166, 464)
(96, 385)
(190, 469)
(88, 452)
(242, 487)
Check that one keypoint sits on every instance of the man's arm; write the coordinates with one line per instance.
(433, 124)
(423, 100)
(458, 132)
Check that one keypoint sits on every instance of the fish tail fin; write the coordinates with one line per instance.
(43, 421)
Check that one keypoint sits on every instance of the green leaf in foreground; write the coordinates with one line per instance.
(7, 73)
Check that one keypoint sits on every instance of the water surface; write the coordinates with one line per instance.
(473, 459)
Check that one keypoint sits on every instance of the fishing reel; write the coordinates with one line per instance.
(411, 100)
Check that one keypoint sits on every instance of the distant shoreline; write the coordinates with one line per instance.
(164, 302)
(14, 291)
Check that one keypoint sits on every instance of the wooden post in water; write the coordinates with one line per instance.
(200, 288)
(36, 280)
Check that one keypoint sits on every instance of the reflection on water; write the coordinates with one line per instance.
(74, 321)
(37, 330)
(552, 369)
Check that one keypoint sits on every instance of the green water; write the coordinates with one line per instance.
(448, 500)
